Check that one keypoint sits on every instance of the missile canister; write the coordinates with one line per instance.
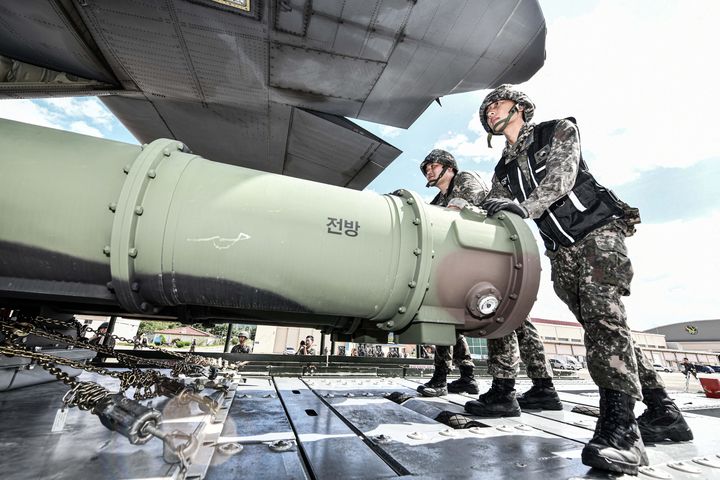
(96, 226)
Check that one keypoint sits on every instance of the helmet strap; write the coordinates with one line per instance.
(432, 183)
(500, 125)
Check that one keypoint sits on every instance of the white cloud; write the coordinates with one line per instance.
(85, 129)
(452, 142)
(81, 115)
(475, 126)
(28, 111)
(390, 132)
(90, 109)
(461, 146)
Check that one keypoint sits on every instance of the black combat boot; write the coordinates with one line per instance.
(436, 386)
(499, 401)
(616, 445)
(662, 420)
(541, 396)
(466, 383)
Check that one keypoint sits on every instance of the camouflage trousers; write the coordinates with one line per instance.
(445, 356)
(591, 277)
(505, 353)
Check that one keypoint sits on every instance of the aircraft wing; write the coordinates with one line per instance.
(267, 84)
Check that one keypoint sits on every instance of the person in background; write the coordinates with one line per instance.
(104, 339)
(242, 346)
(310, 345)
(688, 368)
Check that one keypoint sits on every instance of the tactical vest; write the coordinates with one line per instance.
(586, 207)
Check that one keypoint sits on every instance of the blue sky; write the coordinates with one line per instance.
(641, 79)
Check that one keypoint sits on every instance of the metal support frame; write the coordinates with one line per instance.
(110, 329)
(228, 337)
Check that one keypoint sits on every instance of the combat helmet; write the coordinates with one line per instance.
(443, 158)
(505, 92)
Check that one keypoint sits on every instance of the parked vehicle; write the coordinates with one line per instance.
(572, 364)
(716, 368)
(661, 368)
(703, 369)
(289, 351)
(557, 364)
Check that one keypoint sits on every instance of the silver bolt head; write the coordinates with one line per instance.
(488, 304)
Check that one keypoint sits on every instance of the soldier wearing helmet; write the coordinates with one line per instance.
(458, 189)
(508, 105)
(242, 346)
(439, 161)
(104, 339)
(583, 226)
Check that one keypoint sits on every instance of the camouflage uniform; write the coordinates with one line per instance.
(459, 355)
(503, 356)
(241, 347)
(464, 186)
(102, 339)
(591, 275)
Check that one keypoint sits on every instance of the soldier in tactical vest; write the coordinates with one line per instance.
(458, 189)
(583, 226)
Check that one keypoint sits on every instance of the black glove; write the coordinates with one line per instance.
(494, 205)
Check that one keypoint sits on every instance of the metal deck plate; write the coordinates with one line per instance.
(339, 428)
(255, 420)
(508, 448)
(330, 445)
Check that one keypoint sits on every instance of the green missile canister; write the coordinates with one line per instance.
(96, 226)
